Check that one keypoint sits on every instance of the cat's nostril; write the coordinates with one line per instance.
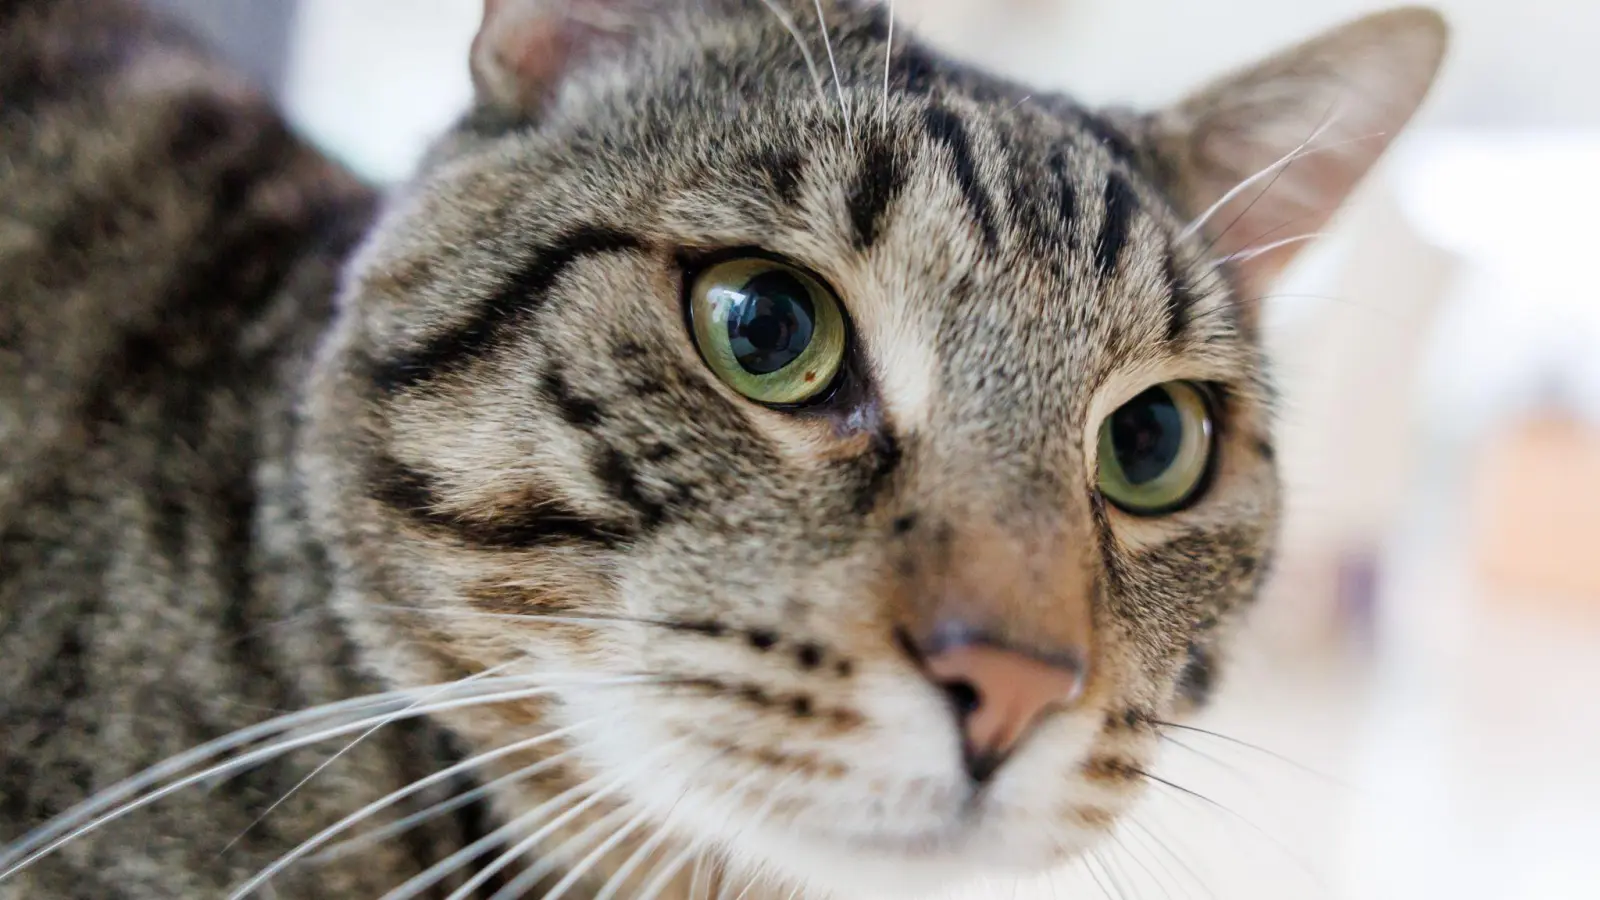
(963, 697)
(998, 695)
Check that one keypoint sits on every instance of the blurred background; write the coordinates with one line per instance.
(1417, 710)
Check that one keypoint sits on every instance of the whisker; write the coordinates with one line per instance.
(533, 840)
(1253, 252)
(749, 885)
(653, 890)
(260, 755)
(550, 861)
(551, 618)
(760, 816)
(1274, 180)
(1089, 860)
(1276, 166)
(348, 747)
(609, 890)
(132, 785)
(524, 883)
(1161, 845)
(1288, 761)
(344, 824)
(1262, 832)
(1115, 876)
(838, 84)
(799, 41)
(1128, 853)
(400, 826)
(443, 868)
(695, 877)
(1018, 105)
(888, 63)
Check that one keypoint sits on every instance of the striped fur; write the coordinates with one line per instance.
(267, 446)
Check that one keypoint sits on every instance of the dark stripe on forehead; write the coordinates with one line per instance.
(946, 128)
(1180, 299)
(529, 523)
(784, 171)
(1066, 196)
(522, 293)
(1121, 205)
(877, 185)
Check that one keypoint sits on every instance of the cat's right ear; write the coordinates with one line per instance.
(526, 49)
(1263, 157)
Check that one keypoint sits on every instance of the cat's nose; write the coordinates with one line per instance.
(999, 694)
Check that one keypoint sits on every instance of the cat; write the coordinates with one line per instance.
(754, 456)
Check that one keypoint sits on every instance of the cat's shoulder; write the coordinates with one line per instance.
(144, 187)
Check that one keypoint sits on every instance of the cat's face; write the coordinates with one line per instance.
(743, 418)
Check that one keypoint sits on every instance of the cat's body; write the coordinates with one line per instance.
(170, 256)
(226, 494)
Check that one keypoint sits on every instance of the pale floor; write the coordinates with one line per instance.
(1459, 760)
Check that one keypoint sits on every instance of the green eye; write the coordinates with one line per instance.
(769, 330)
(1155, 450)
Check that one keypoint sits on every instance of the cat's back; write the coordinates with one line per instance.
(142, 188)
(168, 255)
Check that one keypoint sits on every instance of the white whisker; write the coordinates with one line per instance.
(344, 824)
(1281, 162)
(1253, 252)
(155, 774)
(520, 885)
(838, 84)
(695, 877)
(759, 817)
(888, 62)
(609, 890)
(529, 617)
(799, 41)
(444, 867)
(486, 673)
(549, 828)
(658, 884)
(255, 757)
(749, 885)
(1154, 839)
(400, 826)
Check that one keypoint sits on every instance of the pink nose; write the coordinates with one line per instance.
(999, 695)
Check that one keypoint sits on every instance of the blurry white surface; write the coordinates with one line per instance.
(1523, 323)
(374, 80)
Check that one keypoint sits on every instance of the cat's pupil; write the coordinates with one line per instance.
(1147, 434)
(771, 322)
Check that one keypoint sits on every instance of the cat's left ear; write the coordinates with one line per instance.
(1269, 153)
(526, 49)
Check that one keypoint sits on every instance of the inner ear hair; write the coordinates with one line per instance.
(1264, 156)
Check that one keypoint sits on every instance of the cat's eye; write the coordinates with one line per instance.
(1155, 450)
(769, 330)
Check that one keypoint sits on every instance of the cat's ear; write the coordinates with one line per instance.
(1267, 154)
(526, 49)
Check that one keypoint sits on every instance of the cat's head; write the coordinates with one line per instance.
(869, 453)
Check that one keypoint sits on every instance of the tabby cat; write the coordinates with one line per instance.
(755, 456)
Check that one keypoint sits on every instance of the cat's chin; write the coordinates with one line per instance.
(900, 870)
(909, 868)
